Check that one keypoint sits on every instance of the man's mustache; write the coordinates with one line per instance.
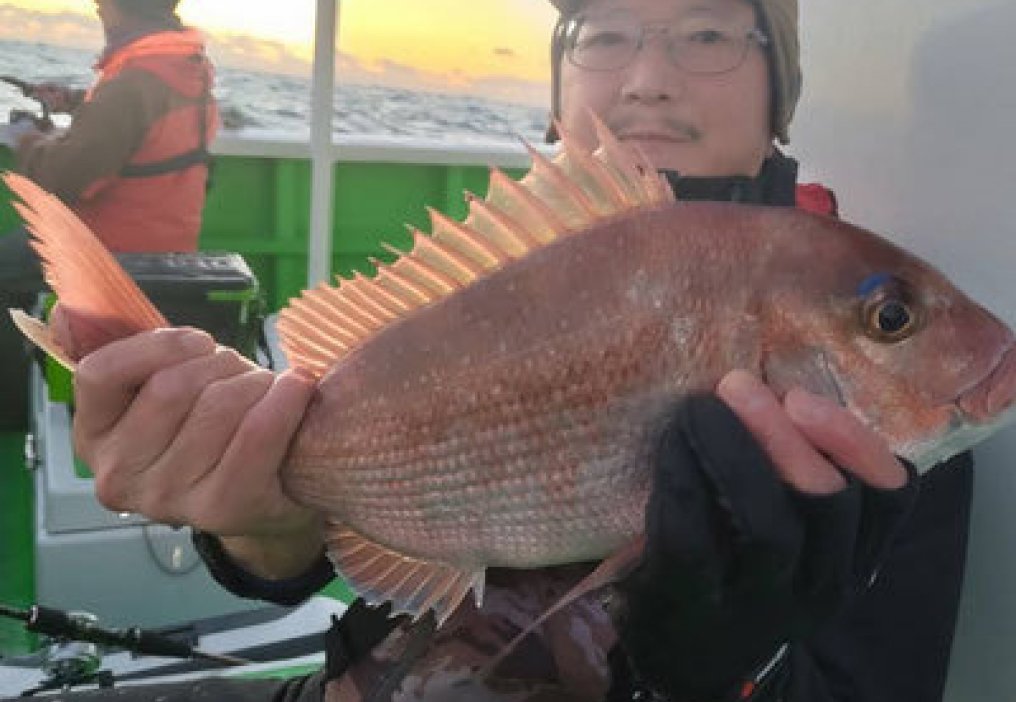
(626, 124)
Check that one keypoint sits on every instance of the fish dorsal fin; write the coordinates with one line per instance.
(412, 585)
(92, 287)
(573, 191)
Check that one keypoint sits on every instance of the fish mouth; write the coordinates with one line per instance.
(995, 394)
(973, 416)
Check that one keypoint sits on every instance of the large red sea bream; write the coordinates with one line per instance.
(490, 398)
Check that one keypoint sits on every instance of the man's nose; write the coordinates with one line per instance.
(652, 76)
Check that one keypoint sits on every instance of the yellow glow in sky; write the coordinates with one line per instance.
(473, 38)
(477, 37)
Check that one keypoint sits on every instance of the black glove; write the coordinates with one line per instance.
(737, 564)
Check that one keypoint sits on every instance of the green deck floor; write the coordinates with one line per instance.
(16, 560)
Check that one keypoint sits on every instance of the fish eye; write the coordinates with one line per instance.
(888, 313)
(892, 317)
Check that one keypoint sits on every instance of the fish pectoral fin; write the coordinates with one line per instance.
(613, 568)
(412, 585)
(807, 368)
(39, 333)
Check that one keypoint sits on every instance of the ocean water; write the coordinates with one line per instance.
(281, 103)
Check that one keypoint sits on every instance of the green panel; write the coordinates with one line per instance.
(17, 563)
(8, 217)
(339, 590)
(259, 207)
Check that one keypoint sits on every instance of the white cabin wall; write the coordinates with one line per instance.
(909, 113)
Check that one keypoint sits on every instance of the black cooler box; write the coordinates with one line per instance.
(216, 292)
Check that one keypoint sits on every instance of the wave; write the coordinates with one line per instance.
(281, 103)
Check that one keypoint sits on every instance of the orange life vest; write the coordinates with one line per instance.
(155, 202)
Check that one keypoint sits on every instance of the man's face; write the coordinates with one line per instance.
(704, 125)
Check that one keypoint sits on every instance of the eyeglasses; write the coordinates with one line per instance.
(609, 42)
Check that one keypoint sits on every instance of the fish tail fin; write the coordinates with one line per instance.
(610, 570)
(99, 301)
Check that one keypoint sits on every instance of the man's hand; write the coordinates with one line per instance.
(764, 519)
(23, 132)
(57, 98)
(187, 432)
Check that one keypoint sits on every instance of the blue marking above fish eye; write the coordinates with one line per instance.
(872, 283)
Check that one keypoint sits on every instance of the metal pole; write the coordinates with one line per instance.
(319, 246)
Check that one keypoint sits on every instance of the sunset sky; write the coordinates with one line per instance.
(486, 45)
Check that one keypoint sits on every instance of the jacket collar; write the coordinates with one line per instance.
(774, 185)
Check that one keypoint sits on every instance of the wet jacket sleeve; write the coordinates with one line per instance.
(750, 591)
(225, 571)
(103, 135)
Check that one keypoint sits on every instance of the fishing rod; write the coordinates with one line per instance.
(23, 85)
(60, 624)
(45, 122)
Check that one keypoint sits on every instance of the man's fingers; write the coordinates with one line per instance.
(262, 440)
(268, 428)
(798, 463)
(810, 438)
(210, 426)
(106, 381)
(154, 486)
(156, 414)
(840, 435)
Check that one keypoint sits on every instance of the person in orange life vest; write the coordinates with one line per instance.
(134, 162)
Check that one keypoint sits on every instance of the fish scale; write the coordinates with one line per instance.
(493, 397)
(548, 487)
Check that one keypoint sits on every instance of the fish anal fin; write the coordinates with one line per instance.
(610, 570)
(412, 585)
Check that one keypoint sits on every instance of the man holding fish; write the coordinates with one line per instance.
(788, 554)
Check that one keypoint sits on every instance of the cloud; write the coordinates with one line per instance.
(65, 28)
(397, 75)
(252, 53)
(257, 54)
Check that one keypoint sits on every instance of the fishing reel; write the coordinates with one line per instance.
(75, 646)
